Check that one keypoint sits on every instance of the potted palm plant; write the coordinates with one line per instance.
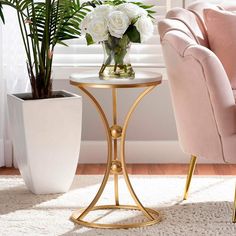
(45, 124)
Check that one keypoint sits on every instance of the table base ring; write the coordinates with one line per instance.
(76, 217)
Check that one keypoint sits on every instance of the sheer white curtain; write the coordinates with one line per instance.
(13, 78)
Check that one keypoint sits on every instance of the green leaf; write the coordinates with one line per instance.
(140, 4)
(1, 14)
(114, 2)
(148, 8)
(151, 12)
(134, 20)
(133, 34)
(89, 39)
(124, 41)
(62, 43)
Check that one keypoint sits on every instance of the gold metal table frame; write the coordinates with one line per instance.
(114, 165)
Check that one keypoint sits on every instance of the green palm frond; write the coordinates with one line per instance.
(1, 14)
(66, 16)
(69, 26)
(94, 3)
(148, 8)
(114, 2)
(19, 5)
(43, 24)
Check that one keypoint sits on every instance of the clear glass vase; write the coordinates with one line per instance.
(116, 63)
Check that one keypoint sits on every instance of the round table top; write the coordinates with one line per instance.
(91, 79)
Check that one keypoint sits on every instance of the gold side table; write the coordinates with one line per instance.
(115, 165)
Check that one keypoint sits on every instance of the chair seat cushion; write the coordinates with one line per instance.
(221, 28)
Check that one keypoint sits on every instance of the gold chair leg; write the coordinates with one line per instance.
(234, 212)
(190, 174)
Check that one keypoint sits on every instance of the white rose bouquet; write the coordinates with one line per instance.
(116, 24)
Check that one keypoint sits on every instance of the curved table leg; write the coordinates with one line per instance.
(125, 173)
(77, 216)
(114, 105)
(109, 154)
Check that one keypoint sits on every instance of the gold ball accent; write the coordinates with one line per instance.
(116, 131)
(116, 167)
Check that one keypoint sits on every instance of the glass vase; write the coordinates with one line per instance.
(116, 63)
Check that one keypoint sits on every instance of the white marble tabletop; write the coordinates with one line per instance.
(91, 79)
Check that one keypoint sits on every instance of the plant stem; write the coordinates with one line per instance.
(23, 36)
(35, 32)
(115, 67)
(33, 44)
(55, 30)
(47, 39)
(108, 61)
(26, 36)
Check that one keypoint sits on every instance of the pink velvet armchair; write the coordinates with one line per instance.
(202, 95)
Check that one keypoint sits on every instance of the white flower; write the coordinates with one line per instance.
(118, 22)
(95, 23)
(97, 28)
(103, 10)
(131, 10)
(84, 23)
(145, 27)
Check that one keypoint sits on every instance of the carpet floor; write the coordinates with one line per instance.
(208, 210)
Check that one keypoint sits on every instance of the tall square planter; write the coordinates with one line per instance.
(46, 137)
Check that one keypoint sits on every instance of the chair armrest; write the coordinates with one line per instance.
(202, 97)
(219, 88)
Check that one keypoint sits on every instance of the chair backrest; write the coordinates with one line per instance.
(202, 97)
(192, 17)
(191, 22)
(198, 7)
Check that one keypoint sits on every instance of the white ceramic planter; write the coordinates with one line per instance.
(46, 137)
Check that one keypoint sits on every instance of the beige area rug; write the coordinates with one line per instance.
(207, 212)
